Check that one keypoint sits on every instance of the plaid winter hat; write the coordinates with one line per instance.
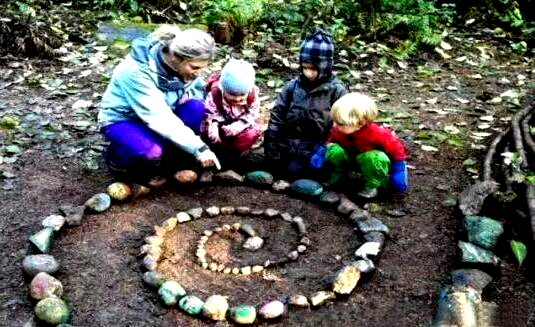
(237, 77)
(318, 49)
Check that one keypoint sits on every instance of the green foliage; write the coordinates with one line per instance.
(131, 7)
(237, 13)
(519, 250)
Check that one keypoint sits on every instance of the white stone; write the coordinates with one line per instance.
(271, 310)
(183, 217)
(54, 221)
(253, 243)
(368, 249)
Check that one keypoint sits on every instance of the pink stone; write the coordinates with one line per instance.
(43, 285)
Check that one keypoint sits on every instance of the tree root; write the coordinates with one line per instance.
(527, 135)
(517, 136)
(487, 169)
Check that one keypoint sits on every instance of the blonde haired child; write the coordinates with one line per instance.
(356, 142)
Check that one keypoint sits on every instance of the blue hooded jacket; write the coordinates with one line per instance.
(142, 89)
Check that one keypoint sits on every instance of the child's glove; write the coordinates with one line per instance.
(398, 176)
(317, 160)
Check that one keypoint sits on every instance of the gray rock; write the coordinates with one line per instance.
(54, 221)
(473, 278)
(372, 225)
(357, 215)
(293, 255)
(43, 239)
(43, 285)
(195, 213)
(253, 243)
(368, 249)
(305, 241)
(286, 217)
(149, 262)
(34, 264)
(243, 210)
(212, 211)
(227, 210)
(99, 202)
(346, 279)
(346, 207)
(153, 279)
(375, 237)
(206, 177)
(483, 231)
(229, 177)
(300, 225)
(73, 214)
(365, 266)
(281, 186)
(271, 213)
(257, 212)
(472, 198)
(330, 198)
(475, 254)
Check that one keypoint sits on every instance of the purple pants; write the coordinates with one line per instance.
(135, 148)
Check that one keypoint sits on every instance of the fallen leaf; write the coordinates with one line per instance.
(519, 250)
(429, 148)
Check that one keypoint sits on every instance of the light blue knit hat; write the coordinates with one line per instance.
(237, 77)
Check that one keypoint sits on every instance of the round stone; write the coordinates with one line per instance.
(215, 307)
(227, 210)
(257, 269)
(191, 304)
(271, 310)
(34, 264)
(182, 217)
(243, 210)
(243, 314)
(259, 177)
(301, 248)
(52, 310)
(149, 262)
(270, 213)
(227, 270)
(293, 255)
(235, 270)
(245, 270)
(170, 292)
(307, 187)
(43, 285)
(212, 266)
(139, 190)
(253, 243)
(99, 202)
(212, 211)
(153, 279)
(330, 198)
(119, 191)
(186, 176)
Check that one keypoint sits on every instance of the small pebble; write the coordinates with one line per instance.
(99, 202)
(257, 212)
(253, 243)
(299, 301)
(229, 177)
(227, 270)
(227, 210)
(208, 233)
(245, 270)
(281, 186)
(243, 210)
(206, 177)
(183, 217)
(248, 230)
(235, 271)
(301, 248)
(43, 239)
(73, 214)
(321, 297)
(212, 211)
(305, 241)
(212, 266)
(186, 176)
(170, 292)
(236, 227)
(215, 307)
(270, 213)
(257, 269)
(170, 224)
(286, 217)
(271, 310)
(153, 279)
(54, 221)
(195, 213)
(293, 255)
(300, 224)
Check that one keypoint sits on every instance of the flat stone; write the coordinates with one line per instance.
(257, 212)
(43, 285)
(368, 249)
(286, 217)
(346, 279)
(473, 278)
(330, 198)
(119, 191)
(153, 279)
(307, 187)
(229, 177)
(320, 297)
(243, 314)
(195, 213)
(300, 225)
(472, 198)
(227, 210)
(183, 217)
(253, 243)
(43, 239)
(259, 178)
(215, 307)
(346, 206)
(475, 254)
(271, 310)
(372, 225)
(52, 310)
(213, 211)
(191, 304)
(53, 221)
(186, 176)
(170, 292)
(365, 266)
(242, 210)
(99, 202)
(34, 264)
(483, 231)
(281, 186)
(73, 214)
(206, 177)
(299, 301)
(248, 230)
(271, 213)
(375, 237)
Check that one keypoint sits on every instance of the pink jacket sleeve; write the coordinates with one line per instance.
(245, 120)
(212, 120)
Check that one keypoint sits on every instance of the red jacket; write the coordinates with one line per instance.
(370, 137)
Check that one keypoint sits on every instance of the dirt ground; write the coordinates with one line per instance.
(100, 267)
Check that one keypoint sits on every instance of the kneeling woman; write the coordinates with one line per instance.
(152, 110)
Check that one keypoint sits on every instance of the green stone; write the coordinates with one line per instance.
(52, 310)
(191, 304)
(475, 254)
(43, 239)
(170, 292)
(259, 177)
(307, 187)
(483, 231)
(153, 279)
(243, 314)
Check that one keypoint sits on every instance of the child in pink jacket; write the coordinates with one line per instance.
(232, 108)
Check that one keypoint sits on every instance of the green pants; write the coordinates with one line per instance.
(373, 165)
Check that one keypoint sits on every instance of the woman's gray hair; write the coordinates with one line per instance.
(188, 44)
